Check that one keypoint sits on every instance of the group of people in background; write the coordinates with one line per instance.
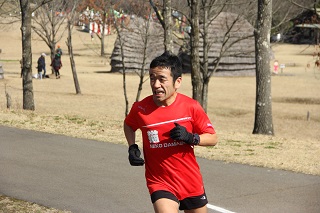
(56, 64)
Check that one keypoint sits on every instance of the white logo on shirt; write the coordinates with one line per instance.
(153, 136)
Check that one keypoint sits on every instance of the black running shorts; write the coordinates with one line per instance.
(185, 204)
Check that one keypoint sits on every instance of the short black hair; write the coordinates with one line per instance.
(168, 60)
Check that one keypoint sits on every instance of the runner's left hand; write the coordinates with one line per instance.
(180, 133)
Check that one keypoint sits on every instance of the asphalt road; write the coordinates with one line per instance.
(86, 176)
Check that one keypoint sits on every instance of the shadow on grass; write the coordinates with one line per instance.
(297, 100)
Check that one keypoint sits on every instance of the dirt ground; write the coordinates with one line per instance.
(99, 111)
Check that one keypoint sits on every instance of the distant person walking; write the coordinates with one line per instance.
(59, 50)
(276, 67)
(41, 65)
(56, 64)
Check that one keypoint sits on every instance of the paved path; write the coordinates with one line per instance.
(86, 176)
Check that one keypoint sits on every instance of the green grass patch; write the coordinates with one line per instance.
(211, 147)
(273, 145)
(235, 143)
(75, 119)
(57, 118)
(9, 60)
(94, 123)
(270, 147)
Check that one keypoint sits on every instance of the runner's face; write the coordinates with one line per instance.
(162, 85)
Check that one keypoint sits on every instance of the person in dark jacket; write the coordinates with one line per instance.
(56, 65)
(41, 65)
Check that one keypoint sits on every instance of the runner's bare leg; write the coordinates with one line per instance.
(165, 205)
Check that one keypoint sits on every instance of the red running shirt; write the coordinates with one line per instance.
(170, 165)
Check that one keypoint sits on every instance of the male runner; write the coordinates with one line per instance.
(171, 124)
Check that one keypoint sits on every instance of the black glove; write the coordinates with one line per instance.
(134, 156)
(180, 133)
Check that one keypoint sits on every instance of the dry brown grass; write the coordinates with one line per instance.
(98, 113)
(11, 205)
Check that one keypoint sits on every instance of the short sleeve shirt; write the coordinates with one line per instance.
(169, 164)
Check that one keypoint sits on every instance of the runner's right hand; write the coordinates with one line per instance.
(134, 156)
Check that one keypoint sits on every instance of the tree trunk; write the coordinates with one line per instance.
(52, 38)
(204, 64)
(124, 78)
(73, 66)
(205, 90)
(263, 110)
(195, 59)
(9, 103)
(52, 54)
(28, 101)
(168, 42)
(102, 33)
(47, 25)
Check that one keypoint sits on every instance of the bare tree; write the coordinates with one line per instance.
(49, 23)
(22, 10)
(165, 18)
(263, 110)
(263, 123)
(26, 61)
(226, 42)
(204, 12)
(284, 11)
(26, 11)
(166, 23)
(9, 12)
(307, 4)
(71, 17)
(168, 42)
(145, 38)
(195, 45)
(28, 99)
(140, 31)
(121, 41)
